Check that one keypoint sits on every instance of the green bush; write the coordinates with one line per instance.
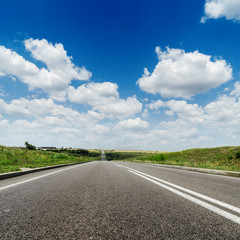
(159, 157)
(112, 155)
(237, 154)
(30, 146)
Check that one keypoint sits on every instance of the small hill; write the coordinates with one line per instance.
(14, 158)
(222, 158)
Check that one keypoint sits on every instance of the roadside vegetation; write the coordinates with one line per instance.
(125, 156)
(222, 158)
(13, 159)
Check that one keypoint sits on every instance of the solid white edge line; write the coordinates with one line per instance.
(212, 200)
(35, 178)
(208, 206)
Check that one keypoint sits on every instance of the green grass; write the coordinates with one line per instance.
(13, 159)
(222, 158)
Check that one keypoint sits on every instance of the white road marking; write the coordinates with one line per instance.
(210, 207)
(209, 199)
(35, 178)
(118, 165)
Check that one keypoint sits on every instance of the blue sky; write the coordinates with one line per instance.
(143, 75)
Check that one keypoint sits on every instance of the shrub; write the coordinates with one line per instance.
(30, 146)
(82, 152)
(237, 154)
(159, 157)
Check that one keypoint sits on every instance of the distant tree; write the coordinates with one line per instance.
(30, 146)
(82, 151)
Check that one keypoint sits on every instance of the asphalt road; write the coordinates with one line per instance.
(116, 200)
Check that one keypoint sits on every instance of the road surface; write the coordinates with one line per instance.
(103, 157)
(117, 200)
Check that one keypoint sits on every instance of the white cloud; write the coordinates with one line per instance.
(145, 113)
(56, 59)
(120, 108)
(236, 91)
(188, 112)
(104, 97)
(169, 113)
(54, 124)
(179, 129)
(13, 64)
(223, 117)
(25, 107)
(2, 74)
(171, 133)
(182, 75)
(93, 93)
(43, 122)
(230, 9)
(55, 79)
(53, 131)
(155, 105)
(225, 111)
(46, 108)
(133, 125)
(4, 124)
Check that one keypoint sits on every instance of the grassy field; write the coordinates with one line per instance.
(13, 159)
(222, 158)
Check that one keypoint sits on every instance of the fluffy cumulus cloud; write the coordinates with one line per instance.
(54, 79)
(236, 90)
(188, 112)
(53, 131)
(109, 121)
(25, 107)
(222, 113)
(39, 108)
(166, 134)
(155, 105)
(207, 124)
(120, 108)
(133, 125)
(191, 113)
(56, 59)
(225, 111)
(93, 93)
(182, 75)
(44, 122)
(173, 131)
(104, 97)
(230, 9)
